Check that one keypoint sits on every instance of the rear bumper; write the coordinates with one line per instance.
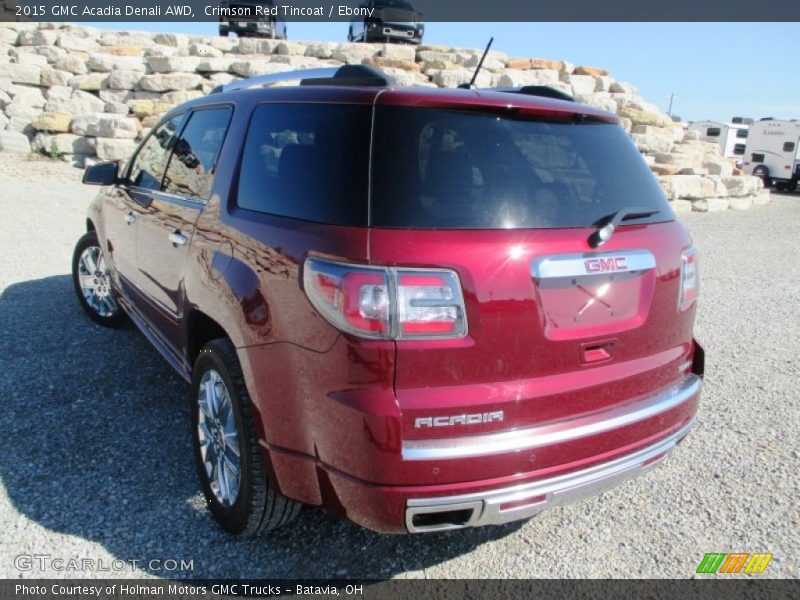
(495, 507)
(560, 432)
(395, 31)
(575, 458)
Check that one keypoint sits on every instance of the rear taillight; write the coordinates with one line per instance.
(690, 278)
(386, 303)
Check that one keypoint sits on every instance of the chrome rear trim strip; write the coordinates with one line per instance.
(494, 507)
(553, 433)
(591, 263)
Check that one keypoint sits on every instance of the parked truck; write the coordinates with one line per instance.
(251, 18)
(387, 21)
(772, 153)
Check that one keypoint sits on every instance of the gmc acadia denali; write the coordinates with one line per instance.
(421, 309)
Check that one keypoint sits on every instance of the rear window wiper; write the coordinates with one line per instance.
(608, 224)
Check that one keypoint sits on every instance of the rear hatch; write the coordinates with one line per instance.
(509, 200)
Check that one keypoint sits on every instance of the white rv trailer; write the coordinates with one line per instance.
(730, 137)
(773, 153)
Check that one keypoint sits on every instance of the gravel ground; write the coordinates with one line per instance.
(95, 454)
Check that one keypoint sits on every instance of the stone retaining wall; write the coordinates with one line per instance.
(82, 93)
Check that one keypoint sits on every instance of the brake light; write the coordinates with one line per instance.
(690, 279)
(386, 303)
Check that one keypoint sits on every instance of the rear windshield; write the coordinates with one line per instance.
(438, 169)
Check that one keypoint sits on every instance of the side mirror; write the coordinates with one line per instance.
(103, 173)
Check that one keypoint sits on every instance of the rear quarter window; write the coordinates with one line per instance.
(307, 161)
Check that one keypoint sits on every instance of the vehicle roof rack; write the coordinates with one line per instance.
(346, 75)
(537, 90)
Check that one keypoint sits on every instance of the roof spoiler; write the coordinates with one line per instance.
(346, 76)
(536, 90)
(353, 75)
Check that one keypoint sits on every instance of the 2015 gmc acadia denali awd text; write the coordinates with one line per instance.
(420, 309)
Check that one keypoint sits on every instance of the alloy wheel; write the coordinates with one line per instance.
(95, 283)
(219, 438)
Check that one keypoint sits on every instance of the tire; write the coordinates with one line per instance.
(92, 283)
(762, 173)
(250, 506)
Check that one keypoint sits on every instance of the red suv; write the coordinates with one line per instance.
(421, 309)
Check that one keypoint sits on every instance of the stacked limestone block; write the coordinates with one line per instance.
(82, 93)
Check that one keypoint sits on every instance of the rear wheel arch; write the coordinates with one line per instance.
(257, 506)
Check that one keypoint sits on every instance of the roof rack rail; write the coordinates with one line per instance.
(346, 75)
(537, 90)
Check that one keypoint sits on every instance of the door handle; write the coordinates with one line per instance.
(177, 238)
(130, 218)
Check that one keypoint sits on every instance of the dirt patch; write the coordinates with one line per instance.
(38, 168)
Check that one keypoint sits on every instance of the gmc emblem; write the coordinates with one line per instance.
(603, 265)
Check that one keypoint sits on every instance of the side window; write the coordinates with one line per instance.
(194, 155)
(713, 132)
(738, 149)
(307, 161)
(788, 147)
(741, 133)
(757, 157)
(147, 169)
